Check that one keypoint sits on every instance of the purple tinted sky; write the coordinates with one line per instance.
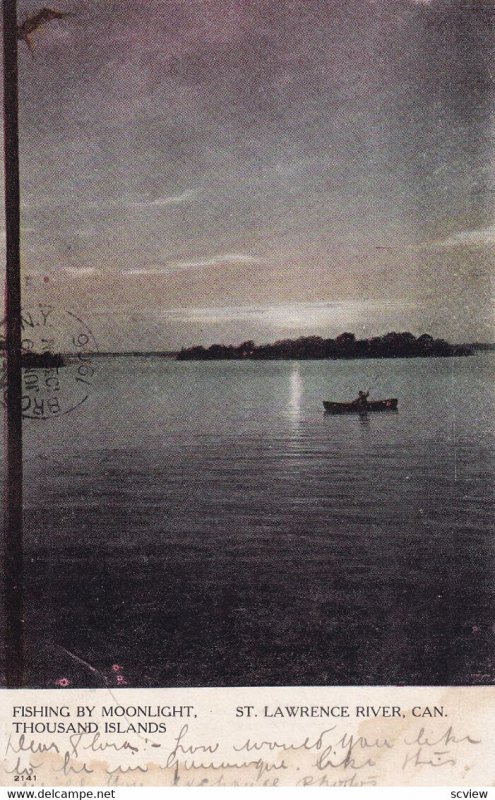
(217, 170)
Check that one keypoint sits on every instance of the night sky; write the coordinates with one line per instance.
(217, 170)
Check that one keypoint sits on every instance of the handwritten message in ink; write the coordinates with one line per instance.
(204, 737)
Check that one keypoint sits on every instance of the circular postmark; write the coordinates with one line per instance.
(58, 362)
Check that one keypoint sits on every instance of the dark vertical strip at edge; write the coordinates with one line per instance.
(13, 555)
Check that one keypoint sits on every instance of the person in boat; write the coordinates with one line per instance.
(361, 399)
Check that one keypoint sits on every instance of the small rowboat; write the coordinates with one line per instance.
(361, 408)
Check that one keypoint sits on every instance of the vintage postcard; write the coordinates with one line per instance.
(248, 392)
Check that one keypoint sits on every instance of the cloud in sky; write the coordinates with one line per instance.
(160, 202)
(213, 261)
(145, 271)
(288, 315)
(60, 199)
(80, 270)
(480, 237)
(176, 266)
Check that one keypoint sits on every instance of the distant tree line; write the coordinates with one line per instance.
(392, 345)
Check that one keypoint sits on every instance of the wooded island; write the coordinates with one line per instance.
(391, 345)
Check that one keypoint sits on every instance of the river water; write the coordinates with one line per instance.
(207, 524)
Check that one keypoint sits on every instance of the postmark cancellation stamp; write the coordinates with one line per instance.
(58, 362)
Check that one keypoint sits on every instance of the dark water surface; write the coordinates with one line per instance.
(208, 524)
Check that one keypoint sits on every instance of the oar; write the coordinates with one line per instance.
(373, 383)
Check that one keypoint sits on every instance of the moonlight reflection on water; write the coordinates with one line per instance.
(208, 524)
